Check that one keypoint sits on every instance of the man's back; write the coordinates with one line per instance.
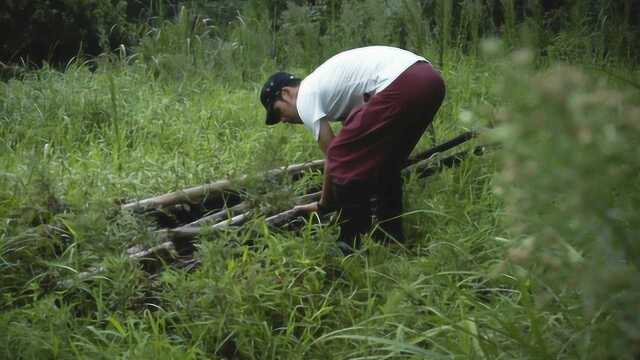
(340, 84)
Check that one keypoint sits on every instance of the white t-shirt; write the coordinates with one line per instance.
(338, 85)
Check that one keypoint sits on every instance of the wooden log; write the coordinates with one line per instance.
(243, 214)
(284, 217)
(189, 232)
(423, 168)
(460, 139)
(196, 194)
(221, 215)
(429, 167)
(193, 194)
(218, 220)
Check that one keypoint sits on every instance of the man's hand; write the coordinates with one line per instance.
(307, 208)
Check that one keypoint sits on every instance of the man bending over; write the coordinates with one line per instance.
(386, 98)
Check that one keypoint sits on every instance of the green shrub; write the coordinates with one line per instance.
(299, 36)
(571, 182)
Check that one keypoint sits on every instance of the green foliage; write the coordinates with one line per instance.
(175, 48)
(180, 108)
(299, 34)
(366, 22)
(470, 24)
(444, 11)
(417, 30)
(252, 42)
(302, 34)
(570, 180)
(271, 293)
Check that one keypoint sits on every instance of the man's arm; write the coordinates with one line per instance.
(324, 139)
(325, 136)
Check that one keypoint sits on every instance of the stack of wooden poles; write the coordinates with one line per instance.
(185, 214)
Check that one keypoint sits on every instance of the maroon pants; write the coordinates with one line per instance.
(366, 157)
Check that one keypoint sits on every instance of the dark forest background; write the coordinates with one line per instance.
(55, 31)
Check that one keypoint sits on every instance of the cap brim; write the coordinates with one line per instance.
(272, 116)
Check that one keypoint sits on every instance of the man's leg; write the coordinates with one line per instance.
(352, 201)
(374, 143)
(412, 122)
(389, 208)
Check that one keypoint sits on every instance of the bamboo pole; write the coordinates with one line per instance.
(221, 215)
(460, 139)
(243, 213)
(429, 167)
(423, 168)
(422, 163)
(284, 217)
(197, 193)
(241, 208)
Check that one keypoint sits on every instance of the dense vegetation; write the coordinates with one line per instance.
(530, 251)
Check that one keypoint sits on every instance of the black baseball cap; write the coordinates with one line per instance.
(271, 90)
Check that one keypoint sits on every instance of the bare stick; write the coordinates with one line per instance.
(462, 138)
(428, 167)
(221, 215)
(284, 217)
(242, 212)
(196, 194)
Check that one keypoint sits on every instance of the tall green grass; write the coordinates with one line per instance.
(527, 252)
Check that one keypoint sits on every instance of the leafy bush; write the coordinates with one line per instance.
(571, 182)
